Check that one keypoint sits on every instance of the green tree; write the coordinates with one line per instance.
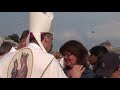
(14, 37)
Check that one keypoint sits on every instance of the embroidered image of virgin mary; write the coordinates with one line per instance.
(23, 70)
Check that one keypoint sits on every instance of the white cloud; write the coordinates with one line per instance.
(67, 34)
(110, 29)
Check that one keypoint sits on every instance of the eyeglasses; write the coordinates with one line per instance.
(67, 55)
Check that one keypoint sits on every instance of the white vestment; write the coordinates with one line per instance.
(12, 50)
(4, 62)
(44, 64)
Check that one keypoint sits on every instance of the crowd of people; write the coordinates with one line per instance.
(73, 60)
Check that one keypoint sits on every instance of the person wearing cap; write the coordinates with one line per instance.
(109, 66)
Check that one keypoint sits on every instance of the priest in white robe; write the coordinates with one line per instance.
(45, 65)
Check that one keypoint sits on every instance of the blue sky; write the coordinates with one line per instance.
(70, 25)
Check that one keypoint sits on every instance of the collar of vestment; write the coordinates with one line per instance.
(34, 45)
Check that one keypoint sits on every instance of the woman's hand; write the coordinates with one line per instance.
(76, 71)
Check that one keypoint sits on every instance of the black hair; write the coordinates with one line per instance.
(98, 51)
(42, 36)
(5, 47)
(24, 34)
